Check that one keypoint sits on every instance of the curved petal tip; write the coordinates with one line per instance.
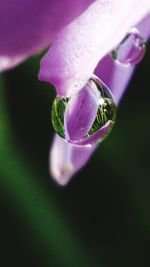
(65, 160)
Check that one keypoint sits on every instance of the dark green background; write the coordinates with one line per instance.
(102, 218)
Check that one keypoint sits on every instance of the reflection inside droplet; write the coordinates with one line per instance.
(102, 122)
(131, 50)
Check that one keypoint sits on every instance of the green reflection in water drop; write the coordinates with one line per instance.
(57, 115)
(106, 112)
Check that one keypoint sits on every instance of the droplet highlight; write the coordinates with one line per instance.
(131, 50)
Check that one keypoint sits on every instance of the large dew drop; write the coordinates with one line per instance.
(102, 122)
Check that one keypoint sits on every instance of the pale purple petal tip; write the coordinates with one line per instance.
(65, 160)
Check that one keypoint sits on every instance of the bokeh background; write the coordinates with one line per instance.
(102, 218)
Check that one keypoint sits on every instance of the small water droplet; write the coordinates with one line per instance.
(104, 120)
(131, 50)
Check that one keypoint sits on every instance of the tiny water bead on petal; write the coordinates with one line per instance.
(131, 50)
(87, 117)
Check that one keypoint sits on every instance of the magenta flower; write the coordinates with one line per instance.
(105, 37)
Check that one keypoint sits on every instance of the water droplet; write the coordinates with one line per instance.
(131, 50)
(103, 122)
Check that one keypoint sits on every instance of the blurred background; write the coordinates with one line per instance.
(102, 218)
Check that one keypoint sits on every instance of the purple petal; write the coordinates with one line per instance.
(81, 113)
(66, 160)
(116, 78)
(144, 27)
(7, 62)
(83, 43)
(28, 26)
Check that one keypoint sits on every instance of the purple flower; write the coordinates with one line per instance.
(82, 34)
